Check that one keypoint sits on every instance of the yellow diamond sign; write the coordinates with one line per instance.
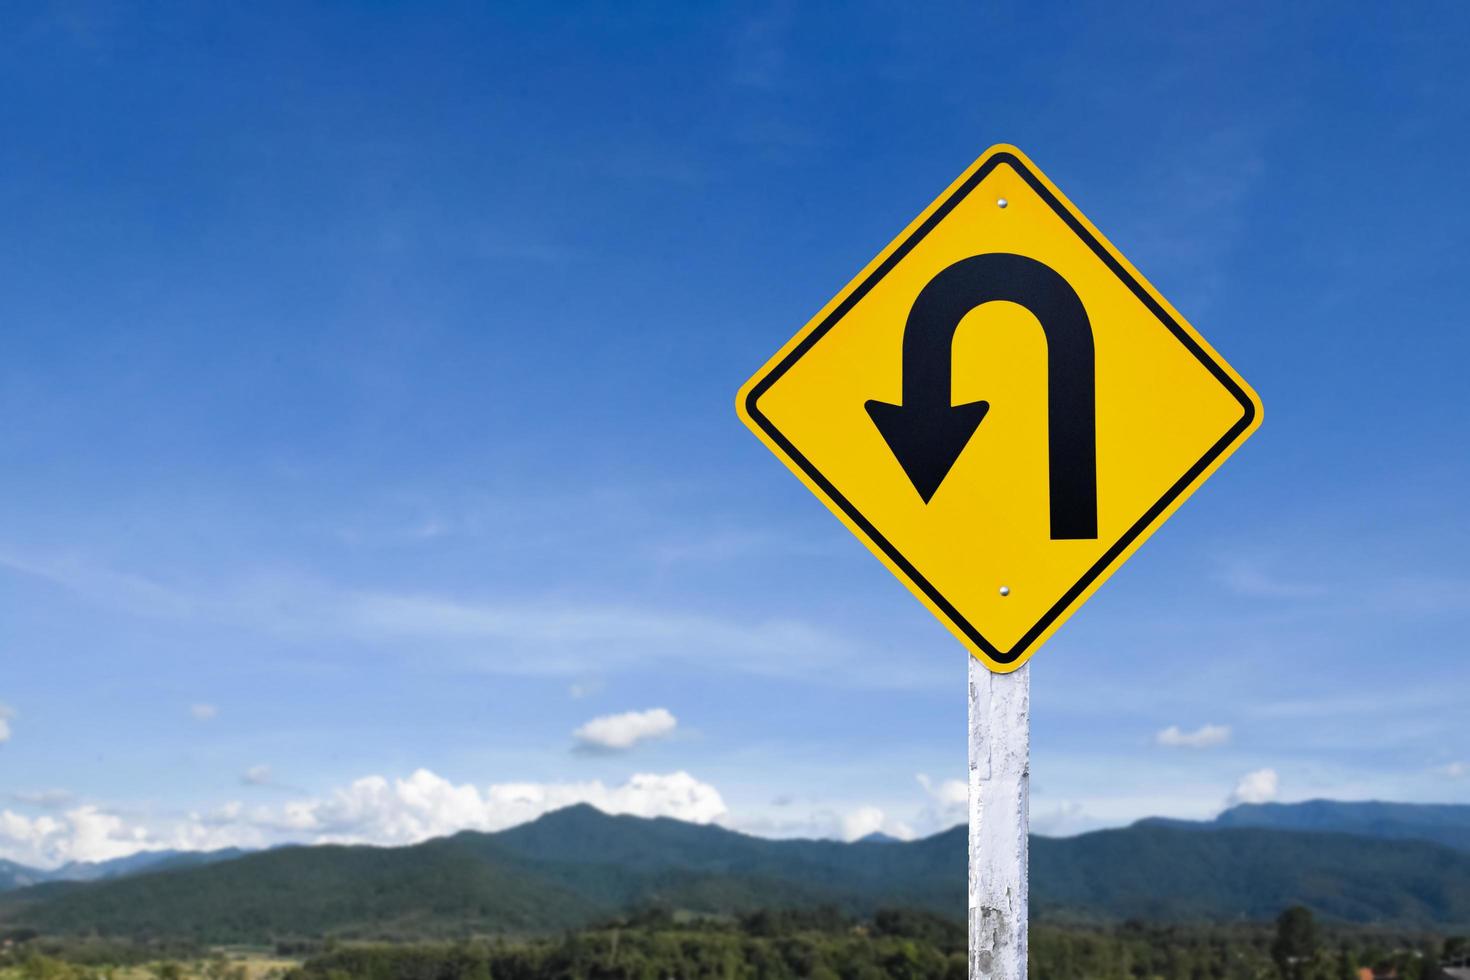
(1000, 407)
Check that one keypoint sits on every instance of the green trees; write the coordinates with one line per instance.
(46, 968)
(893, 945)
(1296, 945)
(821, 944)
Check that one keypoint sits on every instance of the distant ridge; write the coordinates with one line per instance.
(140, 863)
(13, 875)
(1440, 823)
(578, 866)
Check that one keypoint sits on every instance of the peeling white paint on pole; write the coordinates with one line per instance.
(1000, 804)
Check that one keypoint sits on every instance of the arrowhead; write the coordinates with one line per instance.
(927, 440)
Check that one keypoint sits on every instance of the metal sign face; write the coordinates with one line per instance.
(1000, 407)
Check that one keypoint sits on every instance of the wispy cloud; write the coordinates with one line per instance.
(732, 545)
(201, 711)
(1423, 595)
(1358, 588)
(6, 714)
(44, 799)
(1257, 580)
(585, 688)
(574, 638)
(114, 590)
(759, 48)
(257, 776)
(1386, 703)
(1204, 737)
(571, 638)
(1200, 198)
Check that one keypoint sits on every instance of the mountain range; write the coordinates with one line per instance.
(1442, 823)
(1350, 862)
(14, 875)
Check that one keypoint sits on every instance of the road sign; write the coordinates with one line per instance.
(1001, 407)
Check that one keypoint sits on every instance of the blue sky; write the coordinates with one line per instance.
(367, 375)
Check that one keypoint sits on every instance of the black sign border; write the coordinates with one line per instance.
(1247, 404)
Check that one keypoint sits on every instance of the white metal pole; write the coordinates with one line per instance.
(1000, 809)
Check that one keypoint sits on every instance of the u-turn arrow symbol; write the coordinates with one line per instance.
(927, 434)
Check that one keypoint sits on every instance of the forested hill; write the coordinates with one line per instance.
(578, 866)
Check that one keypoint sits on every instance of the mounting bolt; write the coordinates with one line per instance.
(1002, 203)
(1005, 590)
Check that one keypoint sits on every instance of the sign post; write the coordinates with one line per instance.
(1003, 410)
(1000, 809)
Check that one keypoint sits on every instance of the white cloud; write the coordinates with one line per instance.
(1109, 798)
(1062, 820)
(951, 793)
(944, 804)
(1255, 787)
(401, 811)
(257, 776)
(618, 733)
(1455, 770)
(86, 833)
(825, 823)
(861, 822)
(5, 715)
(1203, 737)
(372, 810)
(948, 803)
(866, 820)
(203, 712)
(229, 825)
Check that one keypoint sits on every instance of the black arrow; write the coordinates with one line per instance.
(927, 434)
